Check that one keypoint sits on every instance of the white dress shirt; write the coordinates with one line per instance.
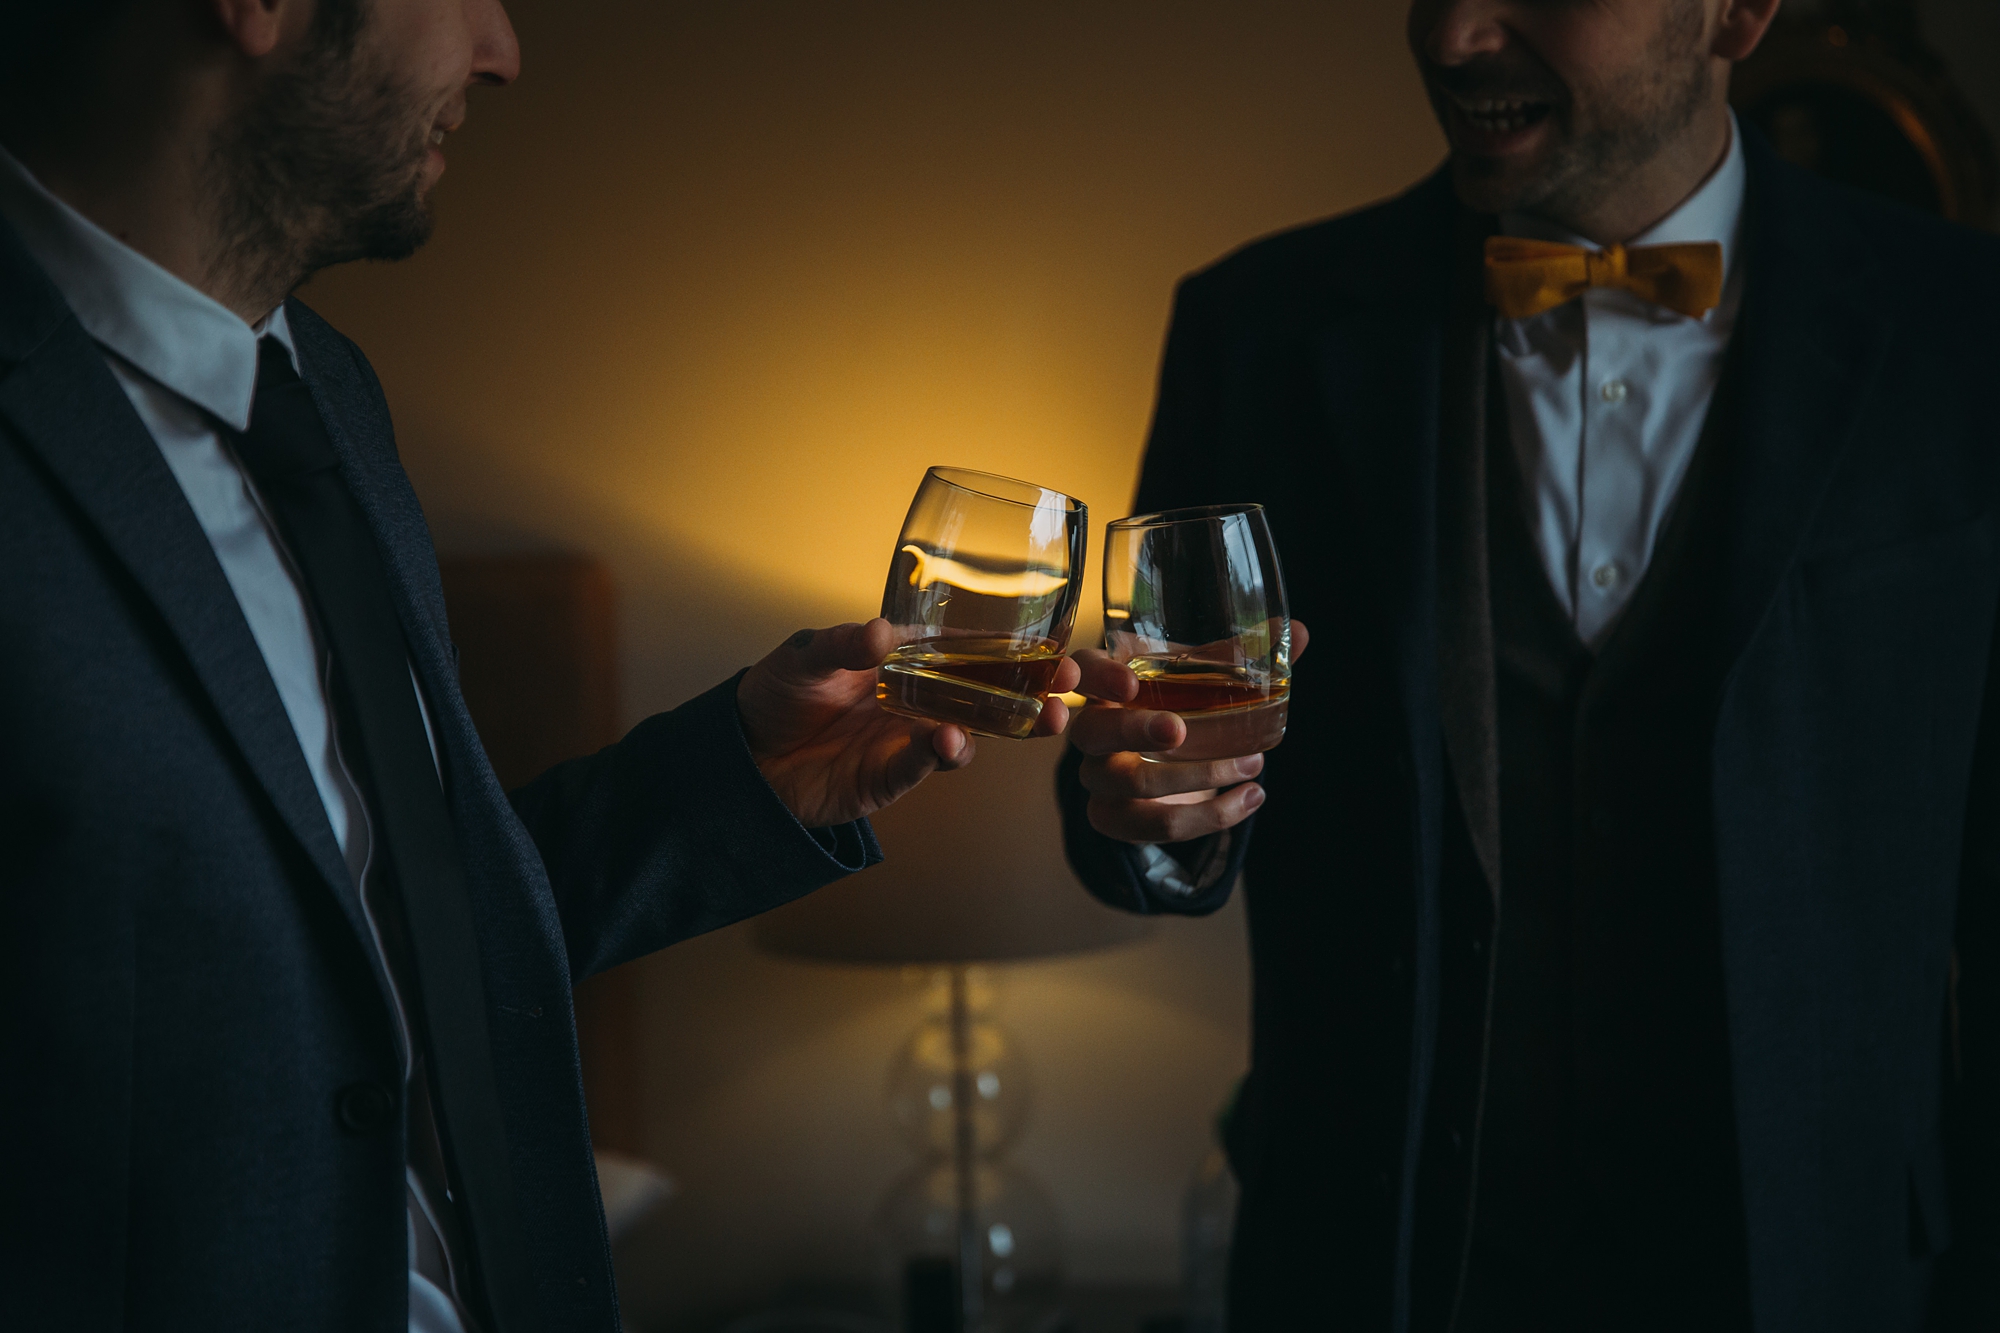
(1606, 398)
(188, 363)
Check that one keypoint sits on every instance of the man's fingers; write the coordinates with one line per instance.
(1101, 677)
(910, 764)
(1054, 718)
(1166, 821)
(1109, 730)
(933, 747)
(1128, 777)
(953, 745)
(1068, 676)
(1299, 639)
(814, 654)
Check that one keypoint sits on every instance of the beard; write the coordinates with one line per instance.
(1610, 132)
(324, 165)
(1629, 130)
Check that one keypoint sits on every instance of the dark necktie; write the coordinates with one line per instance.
(288, 453)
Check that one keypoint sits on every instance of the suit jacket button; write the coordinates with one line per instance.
(365, 1108)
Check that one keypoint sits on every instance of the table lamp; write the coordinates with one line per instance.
(974, 874)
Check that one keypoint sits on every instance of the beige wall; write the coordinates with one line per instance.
(711, 286)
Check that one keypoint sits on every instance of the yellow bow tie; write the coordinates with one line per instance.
(1524, 278)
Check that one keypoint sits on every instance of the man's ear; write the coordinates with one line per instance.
(256, 27)
(1742, 26)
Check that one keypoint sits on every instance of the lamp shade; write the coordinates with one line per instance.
(974, 872)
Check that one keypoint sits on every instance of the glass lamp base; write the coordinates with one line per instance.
(1018, 1245)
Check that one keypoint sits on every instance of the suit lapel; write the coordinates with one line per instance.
(1812, 347)
(1379, 369)
(62, 401)
(1403, 377)
(1467, 694)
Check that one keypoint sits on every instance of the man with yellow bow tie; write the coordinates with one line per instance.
(1625, 899)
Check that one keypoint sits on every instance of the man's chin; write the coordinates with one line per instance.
(1487, 185)
(398, 228)
(386, 235)
(401, 241)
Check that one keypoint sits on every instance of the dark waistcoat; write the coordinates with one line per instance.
(1580, 1169)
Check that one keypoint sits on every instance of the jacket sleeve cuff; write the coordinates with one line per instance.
(824, 853)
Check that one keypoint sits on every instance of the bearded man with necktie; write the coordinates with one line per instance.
(1625, 905)
(286, 1029)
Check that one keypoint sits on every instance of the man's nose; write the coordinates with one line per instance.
(1453, 32)
(496, 51)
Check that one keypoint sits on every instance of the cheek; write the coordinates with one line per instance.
(425, 44)
(1592, 47)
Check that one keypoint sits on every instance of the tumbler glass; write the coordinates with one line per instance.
(982, 592)
(1194, 604)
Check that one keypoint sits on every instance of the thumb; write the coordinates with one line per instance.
(815, 654)
(931, 748)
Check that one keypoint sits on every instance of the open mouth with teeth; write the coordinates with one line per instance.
(1494, 120)
(1497, 117)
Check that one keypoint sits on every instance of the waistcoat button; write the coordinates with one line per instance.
(364, 1108)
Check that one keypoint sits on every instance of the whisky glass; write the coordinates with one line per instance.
(982, 593)
(1194, 604)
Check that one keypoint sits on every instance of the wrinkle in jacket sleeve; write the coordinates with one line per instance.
(673, 832)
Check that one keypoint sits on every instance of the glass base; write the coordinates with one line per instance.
(914, 692)
(1228, 733)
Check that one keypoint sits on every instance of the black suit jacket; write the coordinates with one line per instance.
(186, 985)
(1856, 756)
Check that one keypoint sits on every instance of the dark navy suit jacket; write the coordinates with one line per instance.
(1856, 757)
(186, 985)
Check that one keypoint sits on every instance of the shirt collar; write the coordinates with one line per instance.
(1714, 212)
(163, 327)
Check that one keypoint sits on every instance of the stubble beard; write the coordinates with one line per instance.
(1620, 133)
(324, 166)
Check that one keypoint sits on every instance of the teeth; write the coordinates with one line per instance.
(1497, 116)
(437, 138)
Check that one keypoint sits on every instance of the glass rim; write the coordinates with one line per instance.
(1162, 518)
(966, 479)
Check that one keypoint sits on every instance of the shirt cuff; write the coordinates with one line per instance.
(1186, 868)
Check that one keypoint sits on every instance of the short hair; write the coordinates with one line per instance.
(44, 42)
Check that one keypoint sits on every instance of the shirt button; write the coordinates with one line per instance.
(1605, 575)
(1613, 392)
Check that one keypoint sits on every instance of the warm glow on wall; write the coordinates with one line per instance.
(710, 290)
(805, 482)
